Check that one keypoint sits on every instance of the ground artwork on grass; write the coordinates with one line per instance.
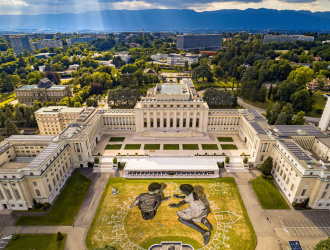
(149, 202)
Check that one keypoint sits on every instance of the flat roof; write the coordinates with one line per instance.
(325, 141)
(170, 89)
(172, 164)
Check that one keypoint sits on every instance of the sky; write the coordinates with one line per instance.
(32, 7)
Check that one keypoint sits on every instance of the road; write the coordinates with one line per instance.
(263, 111)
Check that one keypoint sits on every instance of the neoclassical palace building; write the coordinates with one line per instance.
(36, 167)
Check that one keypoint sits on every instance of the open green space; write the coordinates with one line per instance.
(66, 206)
(190, 147)
(171, 147)
(210, 147)
(144, 88)
(116, 139)
(262, 105)
(132, 146)
(228, 146)
(113, 146)
(205, 85)
(225, 139)
(319, 104)
(268, 194)
(116, 223)
(36, 242)
(151, 146)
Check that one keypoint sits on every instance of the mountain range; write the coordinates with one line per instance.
(172, 20)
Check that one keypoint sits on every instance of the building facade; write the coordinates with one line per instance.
(287, 38)
(190, 42)
(50, 93)
(20, 43)
(71, 41)
(324, 123)
(54, 119)
(181, 59)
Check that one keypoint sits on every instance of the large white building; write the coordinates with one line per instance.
(36, 167)
(180, 59)
(324, 123)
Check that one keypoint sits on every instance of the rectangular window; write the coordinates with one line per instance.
(49, 187)
(35, 184)
(1, 196)
(197, 122)
(54, 182)
(79, 158)
(158, 123)
(323, 195)
(9, 194)
(18, 196)
(303, 192)
(327, 186)
(38, 192)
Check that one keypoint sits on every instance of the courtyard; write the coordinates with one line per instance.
(116, 224)
(131, 143)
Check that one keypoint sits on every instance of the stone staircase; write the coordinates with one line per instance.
(105, 166)
(236, 165)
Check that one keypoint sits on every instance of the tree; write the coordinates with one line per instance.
(18, 115)
(129, 68)
(54, 77)
(218, 72)
(96, 88)
(323, 245)
(266, 167)
(299, 119)
(91, 103)
(215, 97)
(77, 105)
(281, 119)
(118, 62)
(302, 100)
(9, 113)
(262, 94)
(10, 128)
(59, 236)
(301, 75)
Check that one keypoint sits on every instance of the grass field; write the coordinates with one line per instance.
(132, 146)
(151, 146)
(171, 147)
(228, 146)
(190, 147)
(319, 104)
(225, 139)
(268, 194)
(262, 105)
(36, 242)
(113, 146)
(210, 147)
(116, 139)
(66, 206)
(115, 223)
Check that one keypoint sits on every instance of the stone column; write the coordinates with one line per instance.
(148, 119)
(194, 119)
(181, 118)
(162, 118)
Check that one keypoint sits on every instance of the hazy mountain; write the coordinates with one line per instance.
(172, 20)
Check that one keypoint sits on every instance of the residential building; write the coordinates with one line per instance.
(159, 56)
(287, 38)
(124, 57)
(48, 43)
(19, 44)
(45, 91)
(190, 42)
(313, 85)
(181, 59)
(53, 120)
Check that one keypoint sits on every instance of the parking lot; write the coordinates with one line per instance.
(306, 228)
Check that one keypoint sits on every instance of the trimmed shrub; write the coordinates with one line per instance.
(114, 160)
(46, 205)
(60, 236)
(96, 160)
(245, 160)
(14, 236)
(227, 160)
(269, 177)
(90, 164)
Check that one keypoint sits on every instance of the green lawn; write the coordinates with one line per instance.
(117, 139)
(268, 194)
(36, 242)
(66, 206)
(190, 147)
(319, 104)
(132, 146)
(262, 105)
(113, 146)
(225, 139)
(151, 146)
(210, 147)
(227, 211)
(171, 146)
(228, 146)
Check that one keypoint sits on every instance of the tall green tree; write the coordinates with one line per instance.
(10, 128)
(266, 167)
(299, 119)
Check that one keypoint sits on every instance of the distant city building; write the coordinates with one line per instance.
(325, 42)
(161, 35)
(19, 44)
(124, 57)
(287, 38)
(106, 63)
(324, 123)
(159, 56)
(189, 42)
(72, 41)
(44, 55)
(53, 119)
(180, 59)
(45, 91)
(74, 67)
(48, 43)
